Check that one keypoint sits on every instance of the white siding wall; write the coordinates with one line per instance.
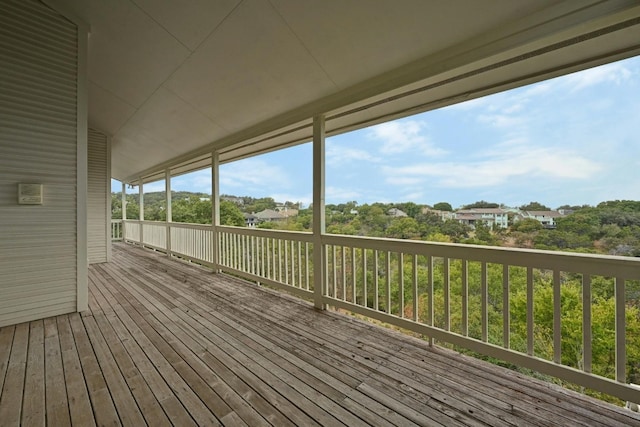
(99, 198)
(38, 144)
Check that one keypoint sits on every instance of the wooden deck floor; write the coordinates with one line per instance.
(166, 343)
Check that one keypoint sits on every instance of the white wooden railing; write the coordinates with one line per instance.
(281, 259)
(458, 294)
(116, 230)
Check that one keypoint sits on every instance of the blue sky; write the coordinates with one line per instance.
(571, 140)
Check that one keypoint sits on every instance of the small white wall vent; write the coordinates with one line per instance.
(30, 194)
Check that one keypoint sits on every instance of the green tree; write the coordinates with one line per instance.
(403, 228)
(410, 208)
(193, 210)
(443, 206)
(455, 229)
(230, 214)
(534, 206)
(482, 235)
(481, 204)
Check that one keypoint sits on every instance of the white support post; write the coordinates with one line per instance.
(141, 207)
(124, 201)
(215, 206)
(319, 224)
(169, 218)
(82, 171)
(124, 211)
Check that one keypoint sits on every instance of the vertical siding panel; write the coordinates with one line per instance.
(98, 197)
(38, 144)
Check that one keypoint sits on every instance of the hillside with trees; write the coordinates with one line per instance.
(611, 227)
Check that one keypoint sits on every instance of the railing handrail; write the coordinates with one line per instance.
(302, 236)
(612, 265)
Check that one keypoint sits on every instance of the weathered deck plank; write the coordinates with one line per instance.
(13, 390)
(167, 343)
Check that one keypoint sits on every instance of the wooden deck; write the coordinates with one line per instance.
(166, 343)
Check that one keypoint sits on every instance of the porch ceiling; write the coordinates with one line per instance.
(172, 79)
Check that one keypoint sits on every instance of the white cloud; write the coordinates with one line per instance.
(335, 194)
(404, 136)
(538, 89)
(338, 155)
(498, 168)
(402, 180)
(615, 73)
(154, 187)
(502, 121)
(416, 195)
(199, 181)
(255, 173)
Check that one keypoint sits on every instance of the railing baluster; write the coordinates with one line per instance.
(344, 274)
(506, 315)
(335, 271)
(306, 263)
(447, 294)
(271, 260)
(300, 265)
(376, 269)
(621, 355)
(286, 263)
(388, 272)
(353, 275)
(586, 323)
(293, 264)
(251, 240)
(484, 302)
(364, 277)
(326, 266)
(530, 326)
(557, 317)
(415, 287)
(430, 312)
(465, 297)
(401, 281)
(280, 260)
(236, 251)
(262, 256)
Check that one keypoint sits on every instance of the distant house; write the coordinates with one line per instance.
(267, 215)
(491, 217)
(233, 199)
(396, 213)
(251, 220)
(444, 215)
(546, 218)
(287, 212)
(270, 215)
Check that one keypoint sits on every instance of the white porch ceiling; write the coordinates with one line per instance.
(173, 79)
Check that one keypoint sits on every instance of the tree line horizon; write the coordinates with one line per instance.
(611, 227)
